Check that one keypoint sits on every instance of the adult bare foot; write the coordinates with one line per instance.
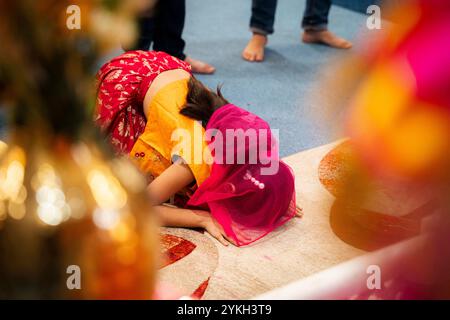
(200, 66)
(326, 37)
(254, 51)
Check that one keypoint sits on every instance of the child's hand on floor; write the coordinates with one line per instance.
(215, 229)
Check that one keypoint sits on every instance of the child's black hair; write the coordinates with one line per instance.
(201, 102)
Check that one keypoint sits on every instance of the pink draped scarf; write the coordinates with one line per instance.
(247, 202)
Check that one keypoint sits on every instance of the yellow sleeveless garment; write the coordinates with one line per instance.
(154, 150)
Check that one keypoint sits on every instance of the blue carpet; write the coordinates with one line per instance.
(278, 89)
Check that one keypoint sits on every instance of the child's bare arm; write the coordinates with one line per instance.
(172, 180)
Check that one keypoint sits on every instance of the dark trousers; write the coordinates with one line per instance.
(315, 16)
(163, 26)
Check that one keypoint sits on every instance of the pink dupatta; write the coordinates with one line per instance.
(246, 201)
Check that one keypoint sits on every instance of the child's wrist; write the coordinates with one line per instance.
(203, 218)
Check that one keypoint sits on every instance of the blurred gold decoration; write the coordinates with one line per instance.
(62, 201)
